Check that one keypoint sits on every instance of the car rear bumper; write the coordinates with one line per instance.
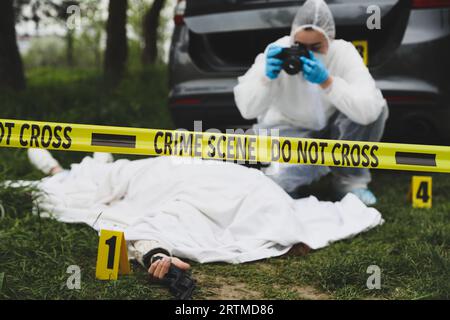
(413, 77)
(417, 110)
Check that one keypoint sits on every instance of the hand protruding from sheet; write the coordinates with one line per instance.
(159, 268)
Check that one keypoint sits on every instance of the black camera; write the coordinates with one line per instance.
(291, 58)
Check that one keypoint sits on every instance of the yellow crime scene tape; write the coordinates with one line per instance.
(229, 147)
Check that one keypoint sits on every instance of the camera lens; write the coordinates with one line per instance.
(292, 65)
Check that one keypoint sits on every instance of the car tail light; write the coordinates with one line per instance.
(186, 101)
(424, 4)
(179, 12)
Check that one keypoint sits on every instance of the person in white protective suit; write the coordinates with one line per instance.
(334, 97)
(205, 211)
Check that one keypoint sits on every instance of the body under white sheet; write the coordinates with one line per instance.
(204, 210)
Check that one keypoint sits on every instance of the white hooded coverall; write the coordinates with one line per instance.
(352, 108)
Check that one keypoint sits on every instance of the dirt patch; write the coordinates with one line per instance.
(221, 288)
(309, 293)
(236, 291)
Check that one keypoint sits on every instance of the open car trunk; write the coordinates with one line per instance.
(227, 35)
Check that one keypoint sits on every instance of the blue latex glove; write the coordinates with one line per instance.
(314, 70)
(273, 64)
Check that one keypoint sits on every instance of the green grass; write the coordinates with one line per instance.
(411, 248)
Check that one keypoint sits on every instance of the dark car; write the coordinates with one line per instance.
(215, 41)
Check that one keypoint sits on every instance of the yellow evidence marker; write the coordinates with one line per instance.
(112, 257)
(421, 192)
(363, 48)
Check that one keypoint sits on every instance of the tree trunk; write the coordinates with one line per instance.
(11, 68)
(69, 48)
(116, 43)
(150, 26)
(97, 49)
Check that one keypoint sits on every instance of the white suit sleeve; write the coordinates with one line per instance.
(353, 91)
(254, 92)
(138, 249)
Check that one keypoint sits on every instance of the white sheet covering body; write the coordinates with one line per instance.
(206, 211)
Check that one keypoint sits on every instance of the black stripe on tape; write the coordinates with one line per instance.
(416, 159)
(113, 140)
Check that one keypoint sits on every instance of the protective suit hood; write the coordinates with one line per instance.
(317, 15)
